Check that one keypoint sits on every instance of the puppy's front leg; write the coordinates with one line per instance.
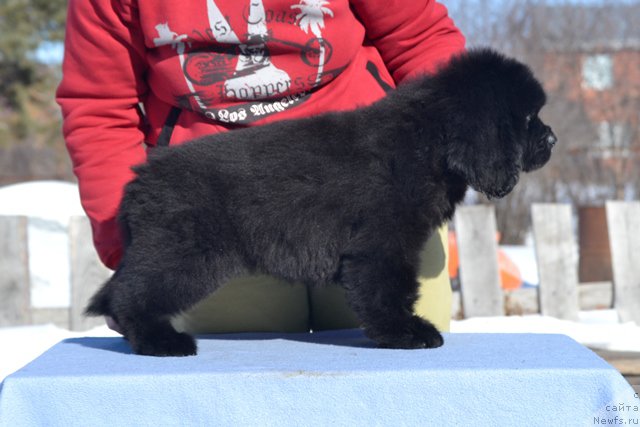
(382, 291)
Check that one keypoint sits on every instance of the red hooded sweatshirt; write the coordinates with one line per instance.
(138, 69)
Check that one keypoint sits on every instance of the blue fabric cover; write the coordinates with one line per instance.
(323, 379)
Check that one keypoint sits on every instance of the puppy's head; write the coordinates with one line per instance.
(491, 105)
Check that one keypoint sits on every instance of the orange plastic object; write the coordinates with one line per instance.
(510, 276)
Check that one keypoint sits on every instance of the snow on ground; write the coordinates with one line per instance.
(596, 329)
(599, 329)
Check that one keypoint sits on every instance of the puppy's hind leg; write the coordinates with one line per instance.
(148, 292)
(382, 291)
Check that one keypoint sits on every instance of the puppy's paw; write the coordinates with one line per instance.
(169, 344)
(414, 333)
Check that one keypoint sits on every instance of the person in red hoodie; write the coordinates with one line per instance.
(138, 74)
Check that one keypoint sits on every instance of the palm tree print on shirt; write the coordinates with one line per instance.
(311, 18)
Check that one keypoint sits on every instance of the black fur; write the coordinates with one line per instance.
(344, 197)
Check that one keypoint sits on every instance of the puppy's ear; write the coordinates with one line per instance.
(485, 155)
(486, 99)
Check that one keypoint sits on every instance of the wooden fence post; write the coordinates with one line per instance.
(478, 251)
(557, 257)
(87, 273)
(623, 220)
(15, 289)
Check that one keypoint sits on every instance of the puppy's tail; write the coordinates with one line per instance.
(100, 302)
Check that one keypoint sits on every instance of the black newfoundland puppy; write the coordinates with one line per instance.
(345, 197)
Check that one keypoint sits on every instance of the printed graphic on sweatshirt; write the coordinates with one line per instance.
(241, 72)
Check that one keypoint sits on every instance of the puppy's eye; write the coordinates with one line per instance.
(528, 119)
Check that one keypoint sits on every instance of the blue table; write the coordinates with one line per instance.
(325, 379)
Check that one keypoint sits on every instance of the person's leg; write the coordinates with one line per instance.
(329, 308)
(265, 304)
(434, 302)
(249, 304)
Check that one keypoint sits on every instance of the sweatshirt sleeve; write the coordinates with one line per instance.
(103, 81)
(413, 36)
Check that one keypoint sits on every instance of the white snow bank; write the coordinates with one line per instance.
(596, 329)
(50, 200)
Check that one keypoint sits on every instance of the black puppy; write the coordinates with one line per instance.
(347, 197)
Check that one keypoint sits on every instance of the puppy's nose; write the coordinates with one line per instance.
(551, 139)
